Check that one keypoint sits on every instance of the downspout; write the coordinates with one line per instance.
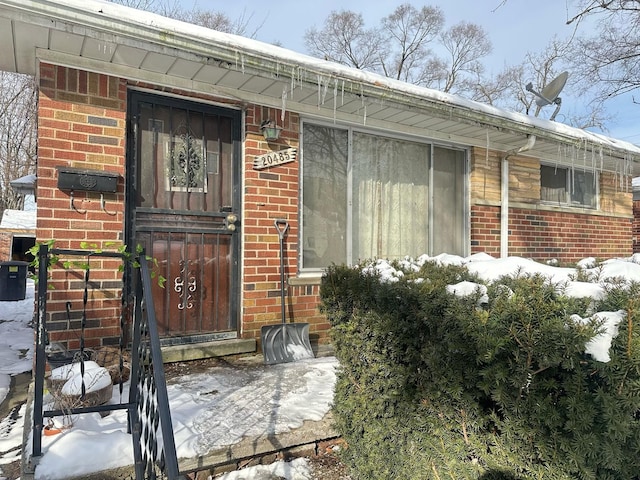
(504, 194)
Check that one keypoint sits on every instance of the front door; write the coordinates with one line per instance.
(183, 208)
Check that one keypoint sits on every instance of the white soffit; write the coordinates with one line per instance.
(184, 68)
(157, 62)
(130, 56)
(98, 49)
(70, 43)
(7, 60)
(26, 39)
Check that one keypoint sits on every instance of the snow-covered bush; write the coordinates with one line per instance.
(440, 379)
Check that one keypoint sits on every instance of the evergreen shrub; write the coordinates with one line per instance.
(437, 386)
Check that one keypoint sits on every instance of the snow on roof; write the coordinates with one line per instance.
(18, 220)
(144, 29)
(26, 181)
(106, 21)
(243, 48)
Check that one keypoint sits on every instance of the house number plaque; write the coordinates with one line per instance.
(274, 158)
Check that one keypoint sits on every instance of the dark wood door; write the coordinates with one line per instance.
(184, 187)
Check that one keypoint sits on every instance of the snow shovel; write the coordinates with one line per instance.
(289, 341)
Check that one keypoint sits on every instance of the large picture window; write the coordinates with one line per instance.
(566, 186)
(369, 196)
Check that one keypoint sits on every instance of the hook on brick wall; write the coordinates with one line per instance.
(72, 205)
(104, 207)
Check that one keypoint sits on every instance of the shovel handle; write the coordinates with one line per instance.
(281, 226)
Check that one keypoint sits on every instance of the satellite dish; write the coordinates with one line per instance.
(550, 93)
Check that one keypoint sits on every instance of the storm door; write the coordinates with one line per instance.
(183, 206)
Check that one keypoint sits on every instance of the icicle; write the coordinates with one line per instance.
(364, 120)
(622, 177)
(324, 90)
(242, 61)
(593, 167)
(343, 92)
(486, 153)
(284, 104)
(293, 80)
(601, 153)
(573, 170)
(335, 100)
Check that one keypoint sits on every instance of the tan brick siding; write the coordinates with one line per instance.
(484, 180)
(6, 240)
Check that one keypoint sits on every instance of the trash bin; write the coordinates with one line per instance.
(13, 280)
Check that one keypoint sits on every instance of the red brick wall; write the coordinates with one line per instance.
(636, 226)
(271, 194)
(485, 230)
(543, 235)
(81, 124)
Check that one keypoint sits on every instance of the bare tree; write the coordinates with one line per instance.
(605, 57)
(586, 8)
(609, 60)
(466, 43)
(404, 46)
(411, 32)
(508, 88)
(18, 113)
(344, 39)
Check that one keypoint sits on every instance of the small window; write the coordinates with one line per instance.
(566, 186)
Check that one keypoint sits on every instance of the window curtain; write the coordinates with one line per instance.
(553, 184)
(390, 197)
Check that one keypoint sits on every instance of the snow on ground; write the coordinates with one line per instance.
(209, 411)
(297, 469)
(16, 338)
(221, 406)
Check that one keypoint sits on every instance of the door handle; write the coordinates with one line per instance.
(230, 222)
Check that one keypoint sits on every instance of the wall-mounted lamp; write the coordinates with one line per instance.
(270, 130)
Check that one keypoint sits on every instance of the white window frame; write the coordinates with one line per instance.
(391, 135)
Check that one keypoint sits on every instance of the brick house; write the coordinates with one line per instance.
(18, 227)
(363, 167)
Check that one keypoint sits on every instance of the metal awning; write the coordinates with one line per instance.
(107, 38)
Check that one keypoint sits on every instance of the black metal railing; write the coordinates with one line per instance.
(151, 427)
(149, 418)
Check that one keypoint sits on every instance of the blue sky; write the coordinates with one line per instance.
(514, 28)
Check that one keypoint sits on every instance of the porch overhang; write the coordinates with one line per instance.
(107, 38)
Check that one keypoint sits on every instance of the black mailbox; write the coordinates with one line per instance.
(87, 180)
